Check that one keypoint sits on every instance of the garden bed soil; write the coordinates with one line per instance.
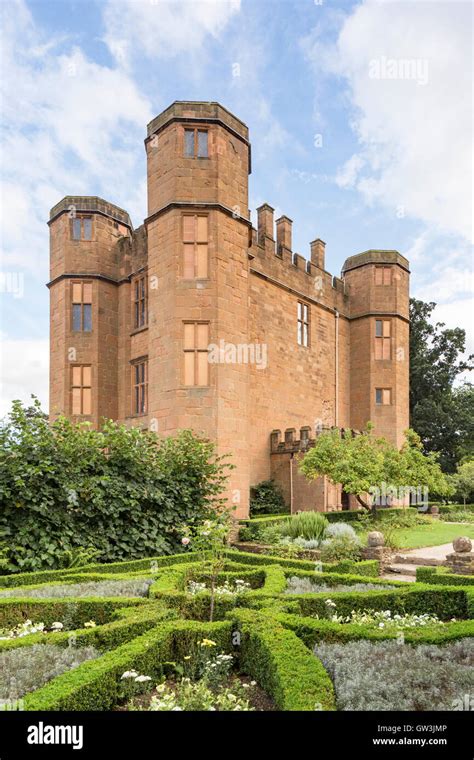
(258, 698)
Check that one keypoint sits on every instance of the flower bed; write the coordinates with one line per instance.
(390, 675)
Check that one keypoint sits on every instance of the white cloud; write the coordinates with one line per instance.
(25, 367)
(415, 138)
(163, 28)
(347, 175)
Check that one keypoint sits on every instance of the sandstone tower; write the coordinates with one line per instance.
(198, 320)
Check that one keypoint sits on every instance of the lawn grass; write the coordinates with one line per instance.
(434, 534)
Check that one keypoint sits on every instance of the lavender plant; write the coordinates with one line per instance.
(128, 588)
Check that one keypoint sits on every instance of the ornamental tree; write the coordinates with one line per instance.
(365, 464)
(463, 480)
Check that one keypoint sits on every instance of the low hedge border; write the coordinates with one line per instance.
(447, 602)
(147, 565)
(442, 576)
(130, 622)
(312, 631)
(79, 610)
(366, 567)
(335, 579)
(95, 685)
(336, 516)
(282, 664)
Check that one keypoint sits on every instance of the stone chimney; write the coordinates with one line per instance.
(318, 248)
(265, 222)
(283, 232)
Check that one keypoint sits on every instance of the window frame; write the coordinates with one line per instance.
(196, 351)
(303, 324)
(82, 303)
(81, 218)
(383, 341)
(82, 386)
(196, 131)
(383, 391)
(197, 244)
(140, 303)
(386, 273)
(139, 387)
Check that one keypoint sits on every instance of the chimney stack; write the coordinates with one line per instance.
(265, 222)
(318, 248)
(283, 232)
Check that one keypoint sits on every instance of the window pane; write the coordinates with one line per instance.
(378, 275)
(387, 276)
(87, 292)
(203, 368)
(378, 395)
(142, 318)
(202, 229)
(305, 312)
(300, 307)
(189, 368)
(189, 227)
(136, 407)
(76, 317)
(202, 144)
(86, 401)
(189, 142)
(202, 336)
(77, 376)
(188, 265)
(386, 348)
(76, 400)
(378, 348)
(87, 314)
(300, 333)
(142, 400)
(189, 335)
(87, 226)
(201, 261)
(76, 229)
(386, 328)
(76, 292)
(386, 396)
(378, 328)
(86, 376)
(305, 335)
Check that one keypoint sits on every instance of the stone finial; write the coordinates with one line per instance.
(318, 248)
(265, 222)
(283, 232)
(375, 538)
(462, 544)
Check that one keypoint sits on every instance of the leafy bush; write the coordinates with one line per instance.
(266, 498)
(393, 676)
(120, 491)
(27, 668)
(308, 525)
(339, 530)
(460, 516)
(101, 588)
(341, 547)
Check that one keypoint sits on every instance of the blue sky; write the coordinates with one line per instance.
(355, 152)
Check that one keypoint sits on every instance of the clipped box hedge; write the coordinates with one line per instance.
(441, 575)
(366, 567)
(78, 610)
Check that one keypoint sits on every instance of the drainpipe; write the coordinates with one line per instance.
(336, 370)
(291, 484)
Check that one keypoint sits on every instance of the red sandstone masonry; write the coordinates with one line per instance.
(250, 296)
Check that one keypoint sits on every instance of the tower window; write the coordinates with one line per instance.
(140, 299)
(81, 389)
(82, 306)
(82, 228)
(196, 343)
(195, 246)
(383, 275)
(140, 387)
(383, 338)
(303, 324)
(383, 396)
(196, 143)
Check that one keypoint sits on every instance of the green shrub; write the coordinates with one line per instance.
(282, 664)
(441, 575)
(308, 525)
(121, 491)
(266, 498)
